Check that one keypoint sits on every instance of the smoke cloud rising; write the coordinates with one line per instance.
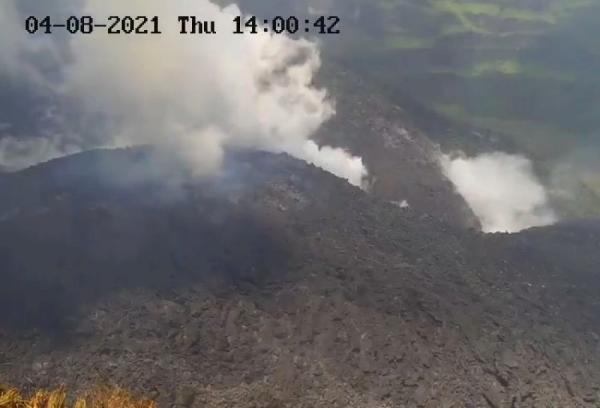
(194, 95)
(501, 189)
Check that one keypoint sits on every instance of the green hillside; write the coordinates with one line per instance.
(536, 63)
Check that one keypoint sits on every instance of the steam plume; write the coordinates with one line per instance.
(501, 189)
(199, 95)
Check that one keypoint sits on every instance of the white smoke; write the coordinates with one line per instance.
(201, 94)
(334, 160)
(501, 189)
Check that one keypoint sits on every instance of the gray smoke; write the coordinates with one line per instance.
(194, 95)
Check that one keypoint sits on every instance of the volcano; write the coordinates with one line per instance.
(270, 220)
(277, 284)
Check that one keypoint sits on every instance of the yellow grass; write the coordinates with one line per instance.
(100, 398)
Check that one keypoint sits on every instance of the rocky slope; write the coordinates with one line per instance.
(403, 160)
(276, 284)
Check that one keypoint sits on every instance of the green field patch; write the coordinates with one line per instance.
(504, 67)
(464, 12)
(400, 42)
(466, 9)
(507, 67)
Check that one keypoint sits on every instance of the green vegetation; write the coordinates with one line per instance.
(465, 11)
(407, 43)
(536, 49)
(508, 67)
(504, 67)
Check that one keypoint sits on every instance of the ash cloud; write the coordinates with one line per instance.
(501, 189)
(196, 96)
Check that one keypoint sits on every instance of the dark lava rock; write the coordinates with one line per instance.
(260, 288)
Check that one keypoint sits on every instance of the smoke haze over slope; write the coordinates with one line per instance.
(195, 95)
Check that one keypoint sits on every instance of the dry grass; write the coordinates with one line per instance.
(104, 397)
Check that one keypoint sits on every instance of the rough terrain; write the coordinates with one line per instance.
(288, 288)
